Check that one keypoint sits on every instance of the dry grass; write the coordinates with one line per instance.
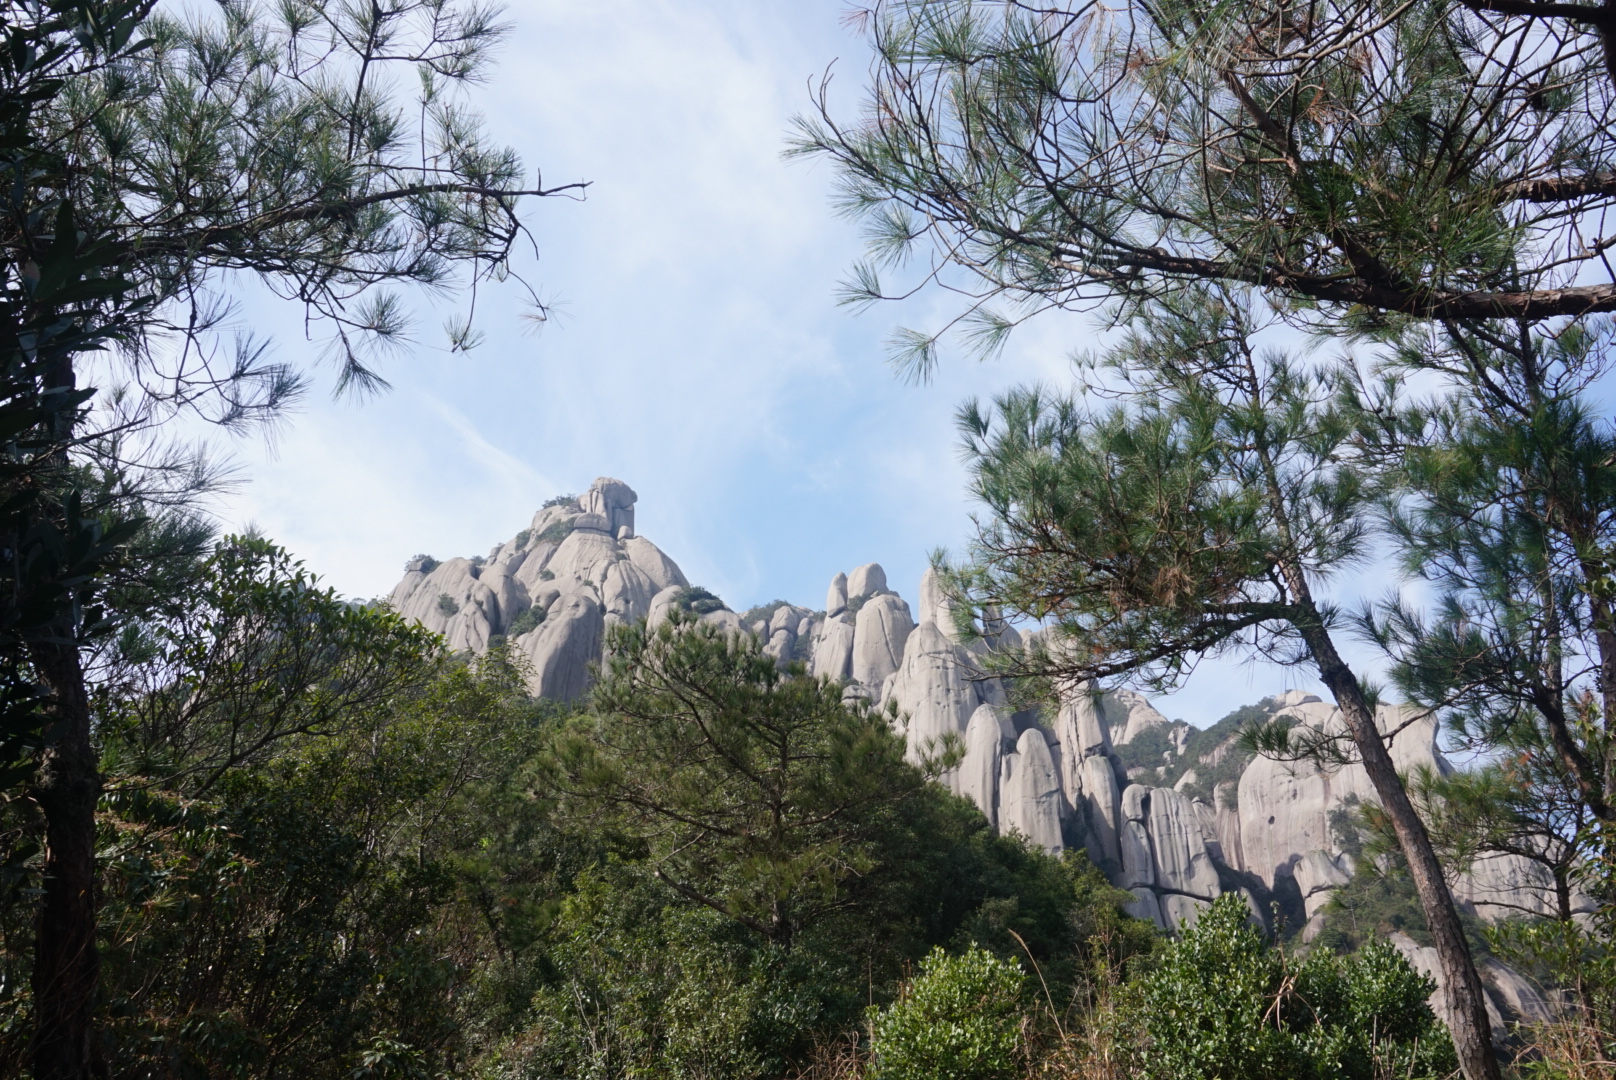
(1575, 1048)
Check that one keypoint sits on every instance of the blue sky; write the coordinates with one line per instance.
(700, 356)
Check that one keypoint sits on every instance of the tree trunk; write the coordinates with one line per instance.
(66, 964)
(1470, 1026)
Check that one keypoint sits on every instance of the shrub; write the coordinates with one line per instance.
(531, 619)
(763, 611)
(447, 604)
(697, 600)
(546, 575)
(960, 1020)
(424, 563)
(559, 500)
(1226, 1004)
(555, 532)
(522, 538)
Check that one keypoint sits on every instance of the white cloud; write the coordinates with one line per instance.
(702, 358)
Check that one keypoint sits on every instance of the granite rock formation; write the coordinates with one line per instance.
(1175, 816)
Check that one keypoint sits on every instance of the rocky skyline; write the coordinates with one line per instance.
(1174, 814)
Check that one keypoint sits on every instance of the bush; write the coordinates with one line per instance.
(960, 1020)
(424, 563)
(559, 500)
(546, 575)
(531, 619)
(522, 539)
(447, 605)
(555, 532)
(697, 600)
(764, 612)
(1226, 1004)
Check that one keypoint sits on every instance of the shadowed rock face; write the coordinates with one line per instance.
(1056, 779)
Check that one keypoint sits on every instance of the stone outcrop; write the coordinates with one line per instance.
(578, 568)
(978, 775)
(1056, 779)
(1030, 794)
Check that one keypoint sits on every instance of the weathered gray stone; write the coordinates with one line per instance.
(1138, 864)
(1136, 802)
(1182, 860)
(1317, 875)
(1516, 995)
(1510, 886)
(1228, 824)
(933, 688)
(1078, 725)
(836, 596)
(881, 631)
(786, 618)
(1100, 805)
(780, 646)
(661, 604)
(979, 772)
(935, 606)
(560, 651)
(612, 500)
(1145, 906)
(725, 618)
(1207, 818)
(663, 571)
(1423, 958)
(1129, 715)
(833, 649)
(1181, 912)
(1285, 806)
(1029, 801)
(867, 580)
(626, 592)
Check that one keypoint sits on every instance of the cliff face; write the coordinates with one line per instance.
(1173, 820)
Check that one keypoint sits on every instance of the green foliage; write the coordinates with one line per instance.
(297, 837)
(959, 1020)
(1224, 1004)
(752, 791)
(762, 611)
(546, 574)
(1150, 749)
(1380, 899)
(1170, 525)
(530, 618)
(425, 563)
(555, 532)
(448, 605)
(258, 654)
(522, 538)
(570, 501)
(697, 600)
(1030, 152)
(1224, 741)
(640, 984)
